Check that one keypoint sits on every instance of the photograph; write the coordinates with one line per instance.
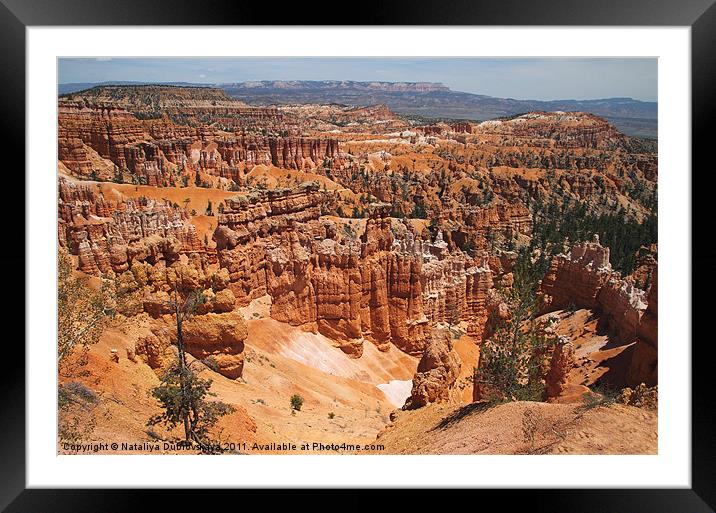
(357, 255)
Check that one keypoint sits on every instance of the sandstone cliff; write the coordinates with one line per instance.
(584, 279)
(110, 143)
(377, 287)
(110, 236)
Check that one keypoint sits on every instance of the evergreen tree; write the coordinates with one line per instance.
(510, 366)
(181, 393)
(555, 224)
(118, 175)
(419, 211)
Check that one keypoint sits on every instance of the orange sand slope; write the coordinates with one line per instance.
(508, 428)
(345, 400)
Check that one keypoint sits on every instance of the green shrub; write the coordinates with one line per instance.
(296, 402)
(600, 395)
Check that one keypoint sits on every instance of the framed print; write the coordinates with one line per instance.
(446, 250)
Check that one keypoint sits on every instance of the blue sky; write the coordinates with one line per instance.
(520, 78)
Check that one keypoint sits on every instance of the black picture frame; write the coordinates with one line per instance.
(700, 15)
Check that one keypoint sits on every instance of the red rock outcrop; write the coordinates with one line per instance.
(561, 362)
(576, 279)
(432, 130)
(349, 290)
(152, 350)
(183, 105)
(483, 224)
(437, 372)
(646, 263)
(463, 126)
(248, 226)
(644, 364)
(562, 129)
(284, 152)
(624, 305)
(108, 131)
(110, 236)
(584, 279)
(217, 339)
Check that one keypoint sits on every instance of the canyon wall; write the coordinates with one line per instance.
(584, 279)
(320, 275)
(110, 236)
(107, 143)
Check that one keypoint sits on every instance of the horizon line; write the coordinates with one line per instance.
(217, 84)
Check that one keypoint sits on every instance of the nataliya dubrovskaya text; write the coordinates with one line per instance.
(143, 447)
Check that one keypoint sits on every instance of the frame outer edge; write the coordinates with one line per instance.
(703, 407)
(12, 95)
(395, 12)
(12, 40)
